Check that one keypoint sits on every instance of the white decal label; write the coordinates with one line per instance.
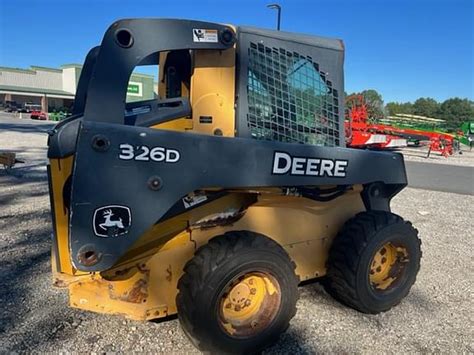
(284, 163)
(190, 201)
(203, 35)
(145, 153)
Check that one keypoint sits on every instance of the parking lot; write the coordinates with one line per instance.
(437, 315)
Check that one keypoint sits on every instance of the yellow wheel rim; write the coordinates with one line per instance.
(249, 304)
(387, 266)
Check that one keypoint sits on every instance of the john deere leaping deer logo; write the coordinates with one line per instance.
(111, 221)
(107, 214)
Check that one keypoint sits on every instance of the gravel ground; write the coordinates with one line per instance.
(466, 158)
(437, 316)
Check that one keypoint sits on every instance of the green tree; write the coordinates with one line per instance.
(456, 111)
(393, 108)
(425, 107)
(374, 103)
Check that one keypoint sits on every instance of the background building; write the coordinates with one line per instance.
(54, 88)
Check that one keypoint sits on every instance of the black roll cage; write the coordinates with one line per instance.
(102, 87)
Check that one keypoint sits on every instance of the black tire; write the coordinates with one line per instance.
(352, 255)
(208, 275)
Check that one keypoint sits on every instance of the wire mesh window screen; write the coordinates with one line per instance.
(290, 99)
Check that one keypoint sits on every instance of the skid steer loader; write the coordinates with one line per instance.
(217, 198)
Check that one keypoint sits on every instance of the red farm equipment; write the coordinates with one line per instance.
(360, 133)
(444, 143)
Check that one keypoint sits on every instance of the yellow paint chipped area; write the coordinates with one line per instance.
(142, 289)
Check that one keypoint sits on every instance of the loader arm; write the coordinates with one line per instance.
(109, 172)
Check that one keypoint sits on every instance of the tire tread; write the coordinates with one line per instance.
(208, 258)
(344, 254)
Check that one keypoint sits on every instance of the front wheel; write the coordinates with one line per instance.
(373, 261)
(238, 294)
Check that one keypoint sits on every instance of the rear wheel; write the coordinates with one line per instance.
(237, 294)
(373, 261)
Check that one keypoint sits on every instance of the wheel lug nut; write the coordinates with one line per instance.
(228, 305)
(253, 291)
(237, 308)
(250, 281)
(247, 303)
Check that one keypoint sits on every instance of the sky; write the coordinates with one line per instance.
(405, 49)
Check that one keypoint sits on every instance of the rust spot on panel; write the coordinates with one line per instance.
(60, 283)
(137, 293)
(219, 219)
(88, 256)
(123, 272)
(169, 274)
(142, 269)
(158, 312)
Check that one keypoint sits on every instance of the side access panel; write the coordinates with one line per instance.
(305, 228)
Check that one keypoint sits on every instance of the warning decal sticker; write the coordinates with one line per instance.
(203, 35)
